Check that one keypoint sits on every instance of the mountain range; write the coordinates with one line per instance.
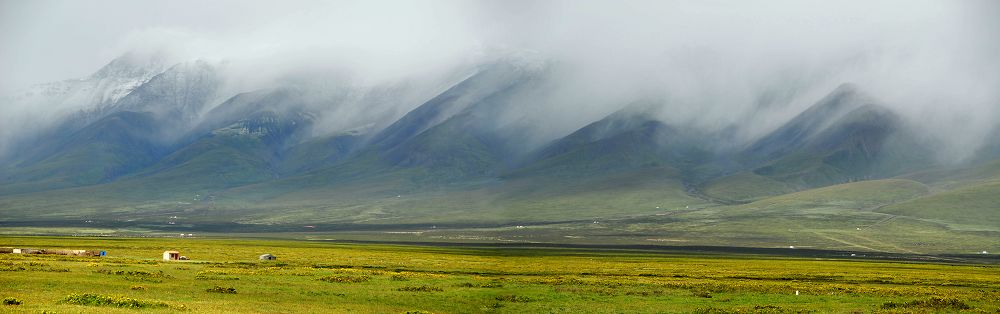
(143, 141)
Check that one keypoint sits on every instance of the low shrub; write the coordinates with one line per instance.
(758, 309)
(494, 306)
(713, 310)
(329, 266)
(323, 293)
(932, 303)
(11, 268)
(136, 275)
(11, 301)
(210, 277)
(218, 289)
(512, 298)
(30, 266)
(91, 299)
(645, 292)
(491, 284)
(766, 308)
(702, 294)
(420, 289)
(249, 265)
(345, 279)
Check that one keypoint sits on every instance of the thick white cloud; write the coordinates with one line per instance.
(715, 63)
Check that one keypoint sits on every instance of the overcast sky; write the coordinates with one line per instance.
(932, 59)
(47, 40)
(54, 40)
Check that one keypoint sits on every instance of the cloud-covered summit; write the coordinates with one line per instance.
(712, 65)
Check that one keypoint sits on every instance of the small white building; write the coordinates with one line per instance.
(171, 255)
(268, 257)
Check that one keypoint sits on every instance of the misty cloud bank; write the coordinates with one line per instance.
(712, 65)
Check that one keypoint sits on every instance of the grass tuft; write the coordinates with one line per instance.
(214, 277)
(512, 298)
(91, 299)
(932, 303)
(136, 275)
(420, 289)
(702, 294)
(757, 309)
(345, 279)
(491, 284)
(494, 306)
(218, 289)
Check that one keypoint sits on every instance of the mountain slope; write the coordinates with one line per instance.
(177, 95)
(746, 186)
(627, 139)
(445, 138)
(239, 142)
(64, 107)
(492, 80)
(348, 155)
(90, 97)
(838, 140)
(320, 152)
(797, 132)
(972, 207)
(124, 126)
(116, 145)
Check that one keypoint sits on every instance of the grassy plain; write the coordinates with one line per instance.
(931, 212)
(224, 276)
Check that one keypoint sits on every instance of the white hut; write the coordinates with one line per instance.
(171, 255)
(268, 257)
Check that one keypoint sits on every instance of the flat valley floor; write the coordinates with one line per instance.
(224, 275)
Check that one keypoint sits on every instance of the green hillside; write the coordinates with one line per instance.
(395, 198)
(636, 192)
(746, 186)
(109, 148)
(850, 216)
(843, 138)
(316, 153)
(848, 205)
(215, 162)
(974, 207)
(945, 178)
(856, 195)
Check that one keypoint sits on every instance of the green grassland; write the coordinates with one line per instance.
(931, 212)
(973, 207)
(224, 276)
(746, 186)
(644, 207)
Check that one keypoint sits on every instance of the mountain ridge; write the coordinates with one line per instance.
(177, 146)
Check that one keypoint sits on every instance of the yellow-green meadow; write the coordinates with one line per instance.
(225, 276)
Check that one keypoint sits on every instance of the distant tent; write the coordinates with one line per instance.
(171, 255)
(268, 257)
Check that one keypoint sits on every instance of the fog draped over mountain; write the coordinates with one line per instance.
(712, 66)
